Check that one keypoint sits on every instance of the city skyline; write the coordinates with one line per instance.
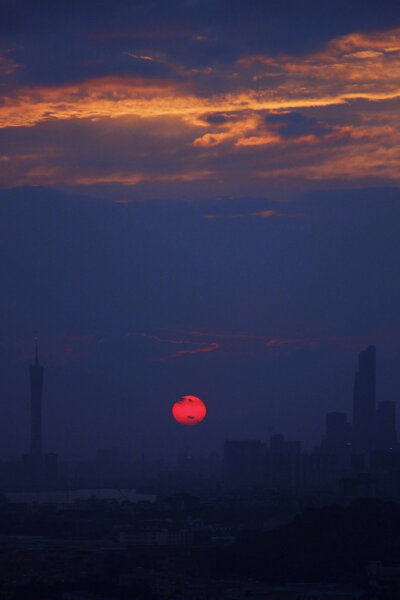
(199, 299)
(372, 423)
(200, 199)
(360, 453)
(219, 308)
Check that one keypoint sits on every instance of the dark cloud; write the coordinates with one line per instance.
(220, 118)
(294, 124)
(80, 60)
(67, 40)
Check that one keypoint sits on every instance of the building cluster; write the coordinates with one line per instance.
(360, 458)
(216, 543)
(86, 571)
(176, 547)
(357, 458)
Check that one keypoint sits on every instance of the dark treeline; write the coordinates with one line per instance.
(330, 544)
(335, 543)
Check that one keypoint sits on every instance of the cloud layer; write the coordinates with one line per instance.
(175, 108)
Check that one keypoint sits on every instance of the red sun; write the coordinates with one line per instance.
(189, 410)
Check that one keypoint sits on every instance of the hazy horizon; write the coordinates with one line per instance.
(196, 198)
(260, 311)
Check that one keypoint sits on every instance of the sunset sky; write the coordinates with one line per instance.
(197, 197)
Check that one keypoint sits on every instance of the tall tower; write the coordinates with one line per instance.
(364, 401)
(36, 379)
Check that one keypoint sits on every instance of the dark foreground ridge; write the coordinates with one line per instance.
(335, 543)
(176, 549)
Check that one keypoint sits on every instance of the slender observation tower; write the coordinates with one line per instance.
(36, 379)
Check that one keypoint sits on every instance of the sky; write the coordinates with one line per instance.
(196, 197)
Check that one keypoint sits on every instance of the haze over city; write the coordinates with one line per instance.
(197, 198)
(199, 300)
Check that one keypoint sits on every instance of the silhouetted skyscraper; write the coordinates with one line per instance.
(364, 404)
(337, 432)
(281, 463)
(385, 436)
(243, 462)
(36, 379)
(336, 443)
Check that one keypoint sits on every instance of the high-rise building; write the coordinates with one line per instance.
(36, 380)
(336, 443)
(364, 401)
(337, 433)
(282, 463)
(243, 462)
(385, 432)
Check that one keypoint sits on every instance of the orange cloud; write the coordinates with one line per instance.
(259, 140)
(366, 160)
(298, 342)
(211, 139)
(265, 214)
(39, 169)
(210, 348)
(363, 142)
(351, 67)
(7, 64)
(202, 347)
(134, 178)
(139, 56)
(113, 98)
